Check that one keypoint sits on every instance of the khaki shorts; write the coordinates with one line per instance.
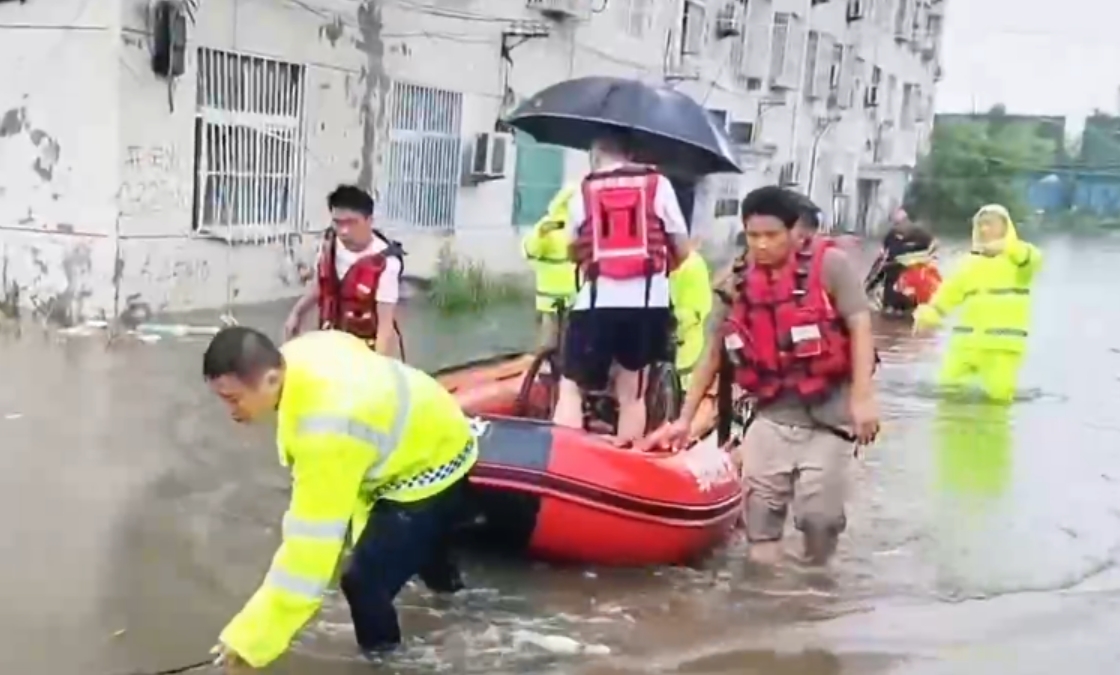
(784, 465)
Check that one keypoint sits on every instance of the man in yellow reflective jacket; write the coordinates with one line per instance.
(368, 440)
(690, 288)
(992, 290)
(545, 246)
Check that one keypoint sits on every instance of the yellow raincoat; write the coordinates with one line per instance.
(690, 288)
(354, 427)
(547, 252)
(992, 291)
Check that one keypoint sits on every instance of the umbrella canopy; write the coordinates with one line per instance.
(669, 129)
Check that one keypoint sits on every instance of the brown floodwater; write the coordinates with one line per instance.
(138, 518)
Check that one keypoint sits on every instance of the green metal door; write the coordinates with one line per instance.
(539, 176)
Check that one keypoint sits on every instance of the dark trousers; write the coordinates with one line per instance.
(892, 299)
(400, 541)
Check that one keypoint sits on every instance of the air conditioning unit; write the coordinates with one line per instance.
(729, 20)
(857, 10)
(559, 9)
(490, 156)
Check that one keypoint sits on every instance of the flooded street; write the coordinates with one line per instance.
(981, 540)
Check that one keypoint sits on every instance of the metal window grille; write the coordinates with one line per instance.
(425, 159)
(694, 28)
(636, 17)
(808, 87)
(778, 46)
(249, 146)
(737, 54)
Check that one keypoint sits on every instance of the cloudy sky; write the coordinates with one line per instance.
(1034, 56)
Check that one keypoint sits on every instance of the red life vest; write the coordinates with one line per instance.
(621, 236)
(919, 282)
(350, 303)
(783, 333)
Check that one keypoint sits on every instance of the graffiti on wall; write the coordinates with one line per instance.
(154, 180)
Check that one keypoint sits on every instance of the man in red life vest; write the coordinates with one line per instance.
(798, 334)
(357, 277)
(627, 234)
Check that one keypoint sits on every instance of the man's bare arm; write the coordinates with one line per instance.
(386, 341)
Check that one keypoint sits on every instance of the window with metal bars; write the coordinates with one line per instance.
(424, 166)
(635, 17)
(249, 146)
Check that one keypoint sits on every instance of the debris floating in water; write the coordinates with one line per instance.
(556, 644)
(147, 333)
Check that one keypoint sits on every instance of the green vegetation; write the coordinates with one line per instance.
(976, 163)
(464, 285)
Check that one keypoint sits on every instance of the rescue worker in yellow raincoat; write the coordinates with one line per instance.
(992, 289)
(368, 440)
(690, 289)
(545, 246)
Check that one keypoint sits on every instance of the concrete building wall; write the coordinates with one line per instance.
(118, 190)
(59, 117)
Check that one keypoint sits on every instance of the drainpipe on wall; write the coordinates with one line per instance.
(824, 125)
(798, 93)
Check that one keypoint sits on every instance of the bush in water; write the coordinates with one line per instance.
(461, 284)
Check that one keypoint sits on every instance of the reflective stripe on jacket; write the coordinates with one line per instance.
(353, 426)
(991, 293)
(547, 252)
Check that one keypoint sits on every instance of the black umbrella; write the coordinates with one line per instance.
(669, 129)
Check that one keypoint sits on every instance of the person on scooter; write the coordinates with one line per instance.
(904, 245)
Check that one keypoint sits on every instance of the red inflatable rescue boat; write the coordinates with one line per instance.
(571, 495)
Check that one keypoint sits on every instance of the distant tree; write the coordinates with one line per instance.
(973, 164)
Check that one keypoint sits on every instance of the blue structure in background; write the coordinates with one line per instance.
(1084, 190)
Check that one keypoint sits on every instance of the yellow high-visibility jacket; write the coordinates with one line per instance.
(354, 427)
(690, 287)
(547, 252)
(992, 292)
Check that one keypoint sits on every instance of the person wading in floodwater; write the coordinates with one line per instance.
(357, 281)
(798, 334)
(377, 449)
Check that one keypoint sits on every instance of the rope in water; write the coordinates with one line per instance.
(178, 670)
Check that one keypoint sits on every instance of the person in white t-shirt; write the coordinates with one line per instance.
(621, 316)
(358, 271)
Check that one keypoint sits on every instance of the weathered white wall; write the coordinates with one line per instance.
(165, 265)
(58, 144)
(96, 181)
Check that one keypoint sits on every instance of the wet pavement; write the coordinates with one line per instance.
(982, 540)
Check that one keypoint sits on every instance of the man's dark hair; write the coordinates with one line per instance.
(240, 351)
(772, 201)
(810, 212)
(351, 198)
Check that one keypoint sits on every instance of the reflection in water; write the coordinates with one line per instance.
(131, 503)
(973, 447)
(973, 452)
